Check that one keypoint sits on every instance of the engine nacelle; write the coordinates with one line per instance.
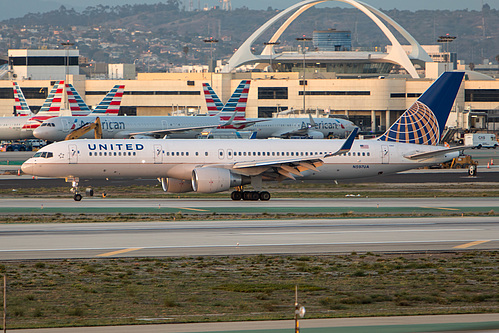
(315, 135)
(211, 180)
(140, 136)
(172, 185)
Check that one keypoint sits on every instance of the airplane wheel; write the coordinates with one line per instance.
(77, 197)
(264, 196)
(255, 195)
(246, 195)
(236, 195)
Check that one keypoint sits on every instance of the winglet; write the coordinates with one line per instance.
(229, 122)
(253, 135)
(312, 121)
(347, 145)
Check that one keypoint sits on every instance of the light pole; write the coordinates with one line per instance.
(446, 40)
(211, 41)
(271, 51)
(67, 45)
(304, 39)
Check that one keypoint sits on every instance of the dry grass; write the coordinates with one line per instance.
(124, 291)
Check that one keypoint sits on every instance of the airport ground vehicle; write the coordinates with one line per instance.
(16, 146)
(464, 162)
(480, 140)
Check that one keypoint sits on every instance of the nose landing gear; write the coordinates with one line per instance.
(74, 188)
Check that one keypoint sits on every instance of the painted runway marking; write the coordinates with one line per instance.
(108, 254)
(351, 232)
(443, 208)
(467, 245)
(196, 209)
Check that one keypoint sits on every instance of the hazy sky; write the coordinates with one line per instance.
(12, 9)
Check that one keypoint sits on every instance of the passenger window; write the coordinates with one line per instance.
(197, 154)
(105, 153)
(186, 153)
(182, 153)
(134, 153)
(205, 153)
(100, 153)
(368, 154)
(363, 154)
(244, 153)
(89, 153)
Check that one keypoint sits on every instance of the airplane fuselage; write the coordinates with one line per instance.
(177, 159)
(119, 127)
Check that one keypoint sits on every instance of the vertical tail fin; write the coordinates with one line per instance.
(424, 122)
(212, 101)
(52, 104)
(76, 104)
(236, 103)
(110, 104)
(22, 108)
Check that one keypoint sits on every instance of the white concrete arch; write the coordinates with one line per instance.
(397, 54)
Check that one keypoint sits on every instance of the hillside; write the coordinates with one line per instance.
(164, 30)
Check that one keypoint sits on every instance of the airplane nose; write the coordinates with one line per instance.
(27, 167)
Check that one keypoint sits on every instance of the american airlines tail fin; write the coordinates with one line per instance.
(236, 103)
(76, 104)
(110, 105)
(52, 104)
(424, 122)
(22, 108)
(212, 100)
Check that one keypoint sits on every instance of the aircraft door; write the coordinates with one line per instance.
(385, 154)
(73, 154)
(66, 125)
(158, 154)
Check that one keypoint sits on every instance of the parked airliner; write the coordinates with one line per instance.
(22, 127)
(208, 166)
(314, 128)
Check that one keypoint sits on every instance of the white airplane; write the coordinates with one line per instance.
(136, 127)
(209, 166)
(228, 117)
(22, 126)
(317, 128)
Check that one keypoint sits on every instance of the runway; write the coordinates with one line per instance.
(193, 238)
(350, 204)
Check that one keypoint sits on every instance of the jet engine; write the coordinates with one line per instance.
(315, 135)
(140, 136)
(211, 180)
(173, 185)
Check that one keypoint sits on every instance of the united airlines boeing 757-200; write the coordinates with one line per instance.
(217, 165)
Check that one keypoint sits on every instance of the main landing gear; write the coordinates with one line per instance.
(250, 195)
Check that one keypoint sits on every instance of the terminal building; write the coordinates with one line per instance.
(371, 88)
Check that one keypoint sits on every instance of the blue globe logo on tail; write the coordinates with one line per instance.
(417, 125)
(424, 122)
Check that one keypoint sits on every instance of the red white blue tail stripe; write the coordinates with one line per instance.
(236, 103)
(22, 108)
(52, 104)
(76, 104)
(110, 105)
(212, 101)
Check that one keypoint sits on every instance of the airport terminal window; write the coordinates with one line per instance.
(43, 61)
(413, 95)
(35, 93)
(272, 92)
(335, 93)
(481, 95)
(397, 95)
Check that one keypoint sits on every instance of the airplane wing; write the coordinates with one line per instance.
(173, 130)
(290, 167)
(430, 154)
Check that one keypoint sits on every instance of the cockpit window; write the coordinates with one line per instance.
(44, 154)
